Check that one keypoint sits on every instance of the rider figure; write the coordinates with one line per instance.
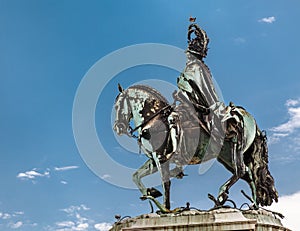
(196, 85)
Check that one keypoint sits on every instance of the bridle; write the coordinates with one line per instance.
(166, 110)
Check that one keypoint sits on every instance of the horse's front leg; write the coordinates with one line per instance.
(146, 169)
(165, 172)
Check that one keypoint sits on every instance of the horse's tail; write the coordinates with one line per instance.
(266, 192)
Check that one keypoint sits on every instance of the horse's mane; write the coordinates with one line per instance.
(151, 91)
(257, 158)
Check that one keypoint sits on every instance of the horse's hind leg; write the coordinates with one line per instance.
(238, 167)
(224, 189)
(237, 155)
(253, 188)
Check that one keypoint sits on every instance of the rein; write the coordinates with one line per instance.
(132, 130)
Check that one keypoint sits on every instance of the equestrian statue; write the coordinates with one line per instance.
(195, 128)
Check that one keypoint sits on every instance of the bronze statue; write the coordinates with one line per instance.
(196, 128)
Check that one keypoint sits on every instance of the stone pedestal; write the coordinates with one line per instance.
(219, 219)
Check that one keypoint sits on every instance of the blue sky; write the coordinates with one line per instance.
(47, 47)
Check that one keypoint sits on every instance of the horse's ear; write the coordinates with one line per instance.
(120, 88)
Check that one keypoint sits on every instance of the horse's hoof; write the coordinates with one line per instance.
(211, 197)
(180, 175)
(153, 192)
(143, 198)
(254, 207)
(222, 198)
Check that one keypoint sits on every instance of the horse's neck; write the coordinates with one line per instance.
(144, 106)
(137, 118)
(136, 107)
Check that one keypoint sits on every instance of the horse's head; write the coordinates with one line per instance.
(123, 112)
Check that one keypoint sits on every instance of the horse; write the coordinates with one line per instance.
(172, 134)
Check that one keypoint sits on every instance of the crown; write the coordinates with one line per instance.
(197, 44)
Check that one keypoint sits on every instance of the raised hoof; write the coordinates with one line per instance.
(180, 175)
(143, 198)
(153, 192)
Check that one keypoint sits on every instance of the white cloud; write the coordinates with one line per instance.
(18, 213)
(13, 220)
(289, 206)
(72, 209)
(268, 19)
(32, 174)
(16, 225)
(84, 207)
(104, 226)
(287, 134)
(5, 216)
(279, 135)
(80, 218)
(67, 224)
(66, 168)
(82, 226)
(77, 222)
(275, 137)
(293, 122)
(292, 102)
(72, 226)
(240, 40)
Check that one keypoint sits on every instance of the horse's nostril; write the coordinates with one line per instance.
(119, 128)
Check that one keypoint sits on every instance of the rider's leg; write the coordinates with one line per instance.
(174, 133)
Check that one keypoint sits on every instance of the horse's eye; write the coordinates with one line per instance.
(146, 134)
